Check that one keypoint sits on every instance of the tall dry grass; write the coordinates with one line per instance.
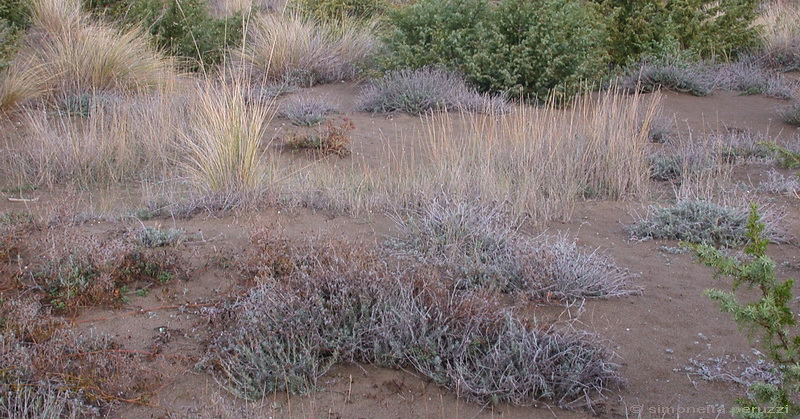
(222, 142)
(291, 47)
(780, 23)
(122, 139)
(67, 52)
(536, 163)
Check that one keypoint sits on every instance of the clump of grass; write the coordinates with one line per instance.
(304, 52)
(320, 305)
(222, 144)
(697, 221)
(121, 139)
(306, 111)
(330, 139)
(780, 24)
(160, 237)
(66, 51)
(426, 89)
(479, 247)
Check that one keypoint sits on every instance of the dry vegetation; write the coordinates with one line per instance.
(86, 105)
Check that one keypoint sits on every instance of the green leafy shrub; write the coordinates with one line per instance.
(770, 317)
(655, 28)
(529, 48)
(14, 19)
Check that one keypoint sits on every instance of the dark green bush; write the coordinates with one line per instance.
(183, 28)
(14, 19)
(655, 28)
(521, 47)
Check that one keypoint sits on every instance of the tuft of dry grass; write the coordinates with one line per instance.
(292, 48)
(223, 139)
(780, 24)
(66, 51)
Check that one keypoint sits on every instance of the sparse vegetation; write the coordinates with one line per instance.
(52, 371)
(96, 273)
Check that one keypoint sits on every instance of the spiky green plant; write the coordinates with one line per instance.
(770, 317)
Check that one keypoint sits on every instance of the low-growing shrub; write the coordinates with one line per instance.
(662, 130)
(328, 139)
(791, 114)
(316, 306)
(671, 74)
(786, 157)
(531, 49)
(98, 273)
(780, 184)
(422, 90)
(696, 221)
(682, 161)
(749, 77)
(159, 237)
(306, 111)
(50, 370)
(479, 247)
